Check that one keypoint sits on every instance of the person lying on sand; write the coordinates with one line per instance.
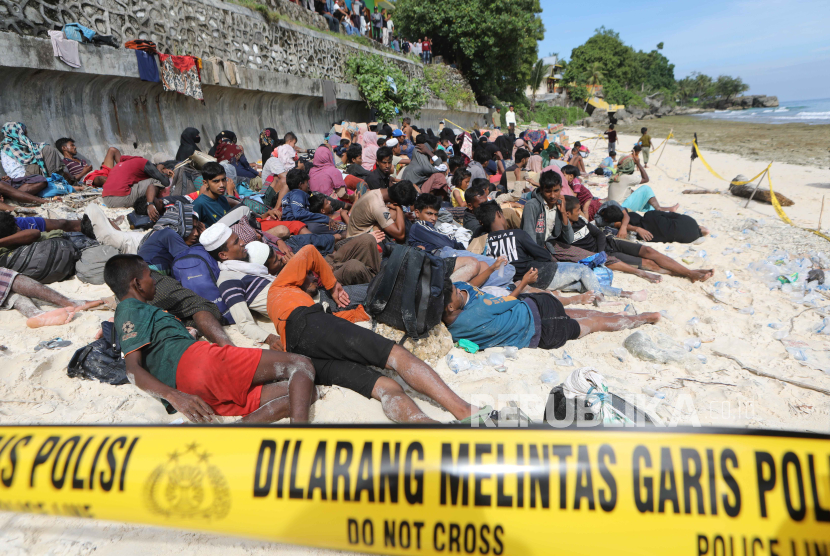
(625, 256)
(200, 379)
(18, 231)
(17, 292)
(524, 254)
(656, 225)
(531, 320)
(343, 352)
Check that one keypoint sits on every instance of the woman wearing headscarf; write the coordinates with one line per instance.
(268, 141)
(235, 154)
(223, 137)
(22, 157)
(369, 142)
(189, 143)
(549, 153)
(325, 178)
(517, 144)
(505, 147)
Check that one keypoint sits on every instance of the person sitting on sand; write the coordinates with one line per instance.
(535, 320)
(176, 231)
(132, 178)
(588, 203)
(200, 379)
(295, 204)
(574, 158)
(643, 198)
(381, 209)
(18, 231)
(524, 254)
(608, 163)
(475, 195)
(656, 225)
(625, 256)
(543, 215)
(17, 292)
(212, 204)
(343, 352)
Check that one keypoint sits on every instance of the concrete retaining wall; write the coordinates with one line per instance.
(104, 103)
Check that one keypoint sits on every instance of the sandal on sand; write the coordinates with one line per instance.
(480, 418)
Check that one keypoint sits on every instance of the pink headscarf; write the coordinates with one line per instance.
(535, 163)
(325, 177)
(369, 140)
(519, 144)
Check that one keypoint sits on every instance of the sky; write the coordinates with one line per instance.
(778, 47)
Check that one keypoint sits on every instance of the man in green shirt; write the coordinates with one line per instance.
(201, 379)
(645, 143)
(212, 204)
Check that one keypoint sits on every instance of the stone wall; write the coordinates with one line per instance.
(203, 28)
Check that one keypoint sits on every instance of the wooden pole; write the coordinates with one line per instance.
(757, 185)
(690, 170)
(665, 144)
(820, 214)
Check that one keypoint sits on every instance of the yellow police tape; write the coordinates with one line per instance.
(438, 490)
(456, 125)
(663, 143)
(783, 216)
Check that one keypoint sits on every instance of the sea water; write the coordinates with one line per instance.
(815, 112)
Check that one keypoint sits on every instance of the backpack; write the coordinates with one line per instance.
(47, 261)
(197, 271)
(90, 268)
(101, 360)
(139, 222)
(407, 293)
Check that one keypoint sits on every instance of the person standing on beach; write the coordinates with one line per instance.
(612, 139)
(497, 118)
(510, 120)
(645, 143)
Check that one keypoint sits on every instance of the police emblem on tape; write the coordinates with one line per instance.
(187, 485)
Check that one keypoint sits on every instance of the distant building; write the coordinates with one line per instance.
(552, 83)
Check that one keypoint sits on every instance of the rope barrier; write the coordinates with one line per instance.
(458, 126)
(783, 216)
(663, 143)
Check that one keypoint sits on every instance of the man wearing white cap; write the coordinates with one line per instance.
(242, 281)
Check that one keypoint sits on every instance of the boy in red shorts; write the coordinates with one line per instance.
(201, 379)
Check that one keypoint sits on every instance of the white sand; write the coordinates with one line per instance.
(34, 387)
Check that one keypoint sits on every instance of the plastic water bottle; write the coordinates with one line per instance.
(630, 310)
(620, 353)
(776, 325)
(653, 393)
(747, 311)
(457, 363)
(729, 275)
(550, 376)
(565, 361)
(665, 314)
(511, 352)
(702, 253)
(693, 321)
(781, 334)
(495, 359)
(691, 343)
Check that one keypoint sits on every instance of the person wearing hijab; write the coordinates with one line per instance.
(223, 137)
(189, 143)
(268, 141)
(369, 141)
(235, 154)
(22, 157)
(325, 178)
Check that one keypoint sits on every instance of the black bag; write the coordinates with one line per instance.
(101, 360)
(48, 261)
(557, 408)
(407, 293)
(139, 222)
(80, 240)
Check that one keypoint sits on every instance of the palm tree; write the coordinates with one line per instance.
(593, 77)
(537, 76)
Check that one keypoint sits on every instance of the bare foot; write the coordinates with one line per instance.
(598, 298)
(673, 208)
(586, 298)
(701, 275)
(641, 295)
(55, 317)
(653, 278)
(84, 305)
(704, 231)
(650, 318)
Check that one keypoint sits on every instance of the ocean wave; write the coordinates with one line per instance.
(767, 111)
(782, 109)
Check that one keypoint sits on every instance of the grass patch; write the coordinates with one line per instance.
(439, 82)
(545, 115)
(270, 15)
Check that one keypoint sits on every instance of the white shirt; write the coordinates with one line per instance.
(272, 166)
(13, 168)
(550, 219)
(510, 117)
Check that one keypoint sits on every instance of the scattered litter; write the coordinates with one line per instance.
(54, 343)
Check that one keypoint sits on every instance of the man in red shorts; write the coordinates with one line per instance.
(201, 379)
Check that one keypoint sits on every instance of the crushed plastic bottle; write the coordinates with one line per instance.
(776, 325)
(495, 359)
(630, 310)
(701, 358)
(565, 361)
(665, 314)
(661, 349)
(747, 311)
(550, 377)
(460, 363)
(692, 343)
(702, 253)
(781, 334)
(511, 352)
(653, 393)
(822, 327)
(620, 354)
(693, 321)
(728, 275)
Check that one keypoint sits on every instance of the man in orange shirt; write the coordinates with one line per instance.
(342, 351)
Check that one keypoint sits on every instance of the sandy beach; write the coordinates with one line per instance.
(34, 388)
(795, 143)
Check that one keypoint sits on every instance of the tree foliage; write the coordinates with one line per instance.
(492, 42)
(385, 87)
(537, 76)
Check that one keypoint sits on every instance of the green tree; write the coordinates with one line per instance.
(660, 46)
(539, 74)
(577, 93)
(385, 87)
(704, 87)
(493, 42)
(728, 87)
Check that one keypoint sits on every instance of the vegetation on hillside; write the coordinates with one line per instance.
(385, 87)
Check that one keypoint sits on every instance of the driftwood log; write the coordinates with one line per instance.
(762, 195)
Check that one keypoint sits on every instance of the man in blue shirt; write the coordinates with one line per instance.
(212, 204)
(531, 320)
